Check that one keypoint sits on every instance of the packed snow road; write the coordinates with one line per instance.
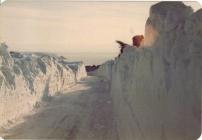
(84, 112)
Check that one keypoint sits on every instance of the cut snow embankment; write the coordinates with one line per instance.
(78, 68)
(156, 90)
(25, 79)
(104, 70)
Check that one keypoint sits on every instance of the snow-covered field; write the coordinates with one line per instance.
(156, 89)
(26, 79)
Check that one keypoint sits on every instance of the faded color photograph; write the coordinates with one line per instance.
(100, 70)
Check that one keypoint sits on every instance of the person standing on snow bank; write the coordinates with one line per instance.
(137, 41)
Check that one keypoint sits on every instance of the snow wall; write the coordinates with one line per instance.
(26, 79)
(77, 67)
(156, 89)
(104, 70)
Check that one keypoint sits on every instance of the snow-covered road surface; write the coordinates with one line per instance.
(84, 112)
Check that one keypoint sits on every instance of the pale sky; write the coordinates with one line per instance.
(62, 26)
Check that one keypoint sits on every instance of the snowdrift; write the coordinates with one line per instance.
(27, 78)
(156, 89)
(104, 70)
(78, 68)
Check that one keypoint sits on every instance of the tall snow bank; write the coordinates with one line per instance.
(78, 68)
(104, 70)
(156, 91)
(164, 18)
(28, 78)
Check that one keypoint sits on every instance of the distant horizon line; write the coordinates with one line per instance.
(62, 52)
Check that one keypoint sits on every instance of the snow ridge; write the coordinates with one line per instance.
(156, 89)
(27, 78)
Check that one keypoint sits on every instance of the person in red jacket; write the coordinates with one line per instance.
(137, 40)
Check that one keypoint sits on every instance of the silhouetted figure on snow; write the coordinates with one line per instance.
(122, 46)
